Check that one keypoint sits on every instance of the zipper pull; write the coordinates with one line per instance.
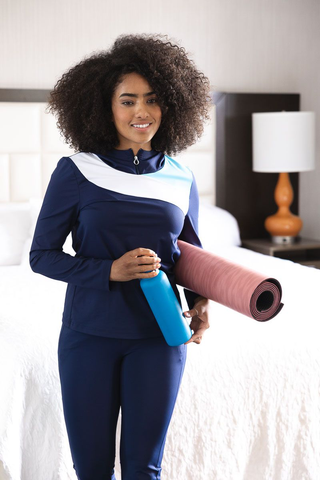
(136, 160)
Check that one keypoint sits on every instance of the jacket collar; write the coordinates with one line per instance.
(149, 160)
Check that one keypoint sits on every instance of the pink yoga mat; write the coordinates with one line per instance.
(232, 285)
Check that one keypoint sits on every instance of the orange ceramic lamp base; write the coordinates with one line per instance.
(283, 225)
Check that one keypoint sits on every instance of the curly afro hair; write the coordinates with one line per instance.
(81, 99)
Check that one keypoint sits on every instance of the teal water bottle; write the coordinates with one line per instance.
(166, 309)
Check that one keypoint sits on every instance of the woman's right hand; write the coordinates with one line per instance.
(134, 265)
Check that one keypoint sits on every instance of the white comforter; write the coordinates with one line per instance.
(249, 405)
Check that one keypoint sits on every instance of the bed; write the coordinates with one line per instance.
(249, 405)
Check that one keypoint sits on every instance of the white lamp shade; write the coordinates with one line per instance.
(283, 141)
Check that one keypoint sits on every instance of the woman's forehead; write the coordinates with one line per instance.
(133, 83)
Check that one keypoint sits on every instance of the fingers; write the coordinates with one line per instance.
(192, 313)
(135, 264)
(147, 265)
(197, 335)
(196, 338)
(145, 257)
(139, 252)
(147, 273)
(148, 261)
(199, 320)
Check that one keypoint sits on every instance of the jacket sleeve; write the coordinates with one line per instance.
(190, 232)
(58, 216)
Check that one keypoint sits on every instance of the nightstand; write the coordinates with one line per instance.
(304, 251)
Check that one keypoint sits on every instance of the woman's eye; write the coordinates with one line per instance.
(151, 100)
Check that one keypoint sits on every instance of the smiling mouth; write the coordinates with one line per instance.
(141, 126)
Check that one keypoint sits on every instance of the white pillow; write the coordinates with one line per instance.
(14, 230)
(217, 227)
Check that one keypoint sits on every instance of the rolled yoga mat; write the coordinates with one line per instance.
(232, 285)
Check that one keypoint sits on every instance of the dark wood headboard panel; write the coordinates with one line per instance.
(246, 194)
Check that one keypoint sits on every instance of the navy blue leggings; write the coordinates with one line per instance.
(99, 375)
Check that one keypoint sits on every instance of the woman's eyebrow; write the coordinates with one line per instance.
(135, 95)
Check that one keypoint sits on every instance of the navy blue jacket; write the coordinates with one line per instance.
(112, 205)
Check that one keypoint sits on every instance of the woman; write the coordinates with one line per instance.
(126, 203)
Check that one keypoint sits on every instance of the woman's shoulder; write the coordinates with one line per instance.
(179, 167)
(80, 161)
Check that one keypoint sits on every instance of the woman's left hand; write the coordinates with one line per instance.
(200, 319)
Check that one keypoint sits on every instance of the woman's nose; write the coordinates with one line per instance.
(141, 111)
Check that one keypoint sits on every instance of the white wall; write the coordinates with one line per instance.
(241, 45)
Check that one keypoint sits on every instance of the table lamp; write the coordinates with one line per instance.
(283, 142)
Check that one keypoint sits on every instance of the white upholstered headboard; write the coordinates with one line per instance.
(31, 145)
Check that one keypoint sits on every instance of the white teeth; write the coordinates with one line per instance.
(142, 126)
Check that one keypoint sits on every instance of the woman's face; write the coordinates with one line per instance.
(133, 104)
